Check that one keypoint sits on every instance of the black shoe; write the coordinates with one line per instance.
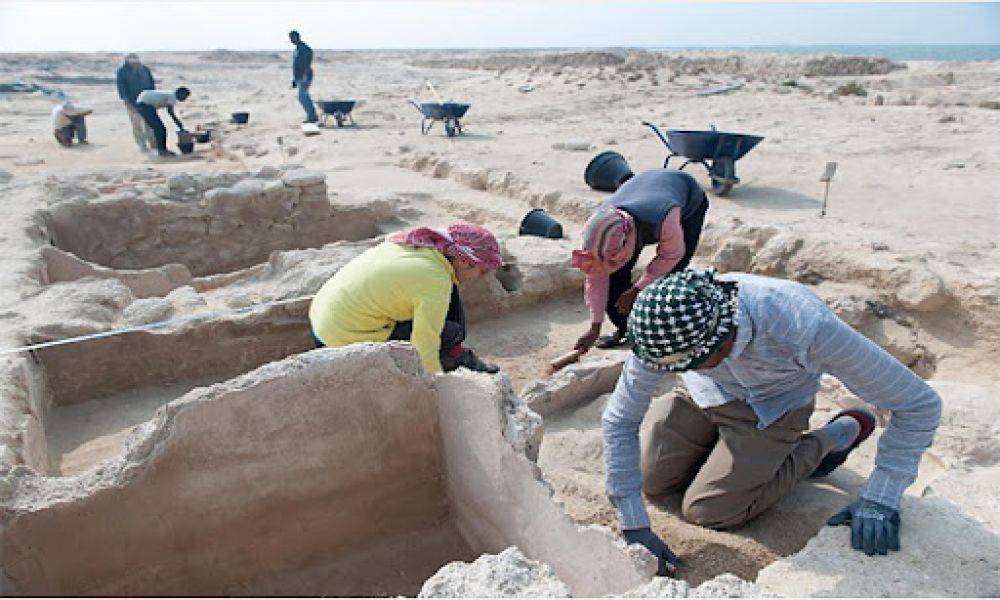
(166, 153)
(469, 360)
(831, 461)
(616, 340)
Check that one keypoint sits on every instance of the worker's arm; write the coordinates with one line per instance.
(170, 111)
(669, 250)
(429, 310)
(620, 427)
(875, 376)
(595, 294)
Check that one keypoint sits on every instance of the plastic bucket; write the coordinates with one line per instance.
(241, 117)
(607, 171)
(539, 223)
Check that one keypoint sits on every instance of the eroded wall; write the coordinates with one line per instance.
(309, 459)
(209, 223)
(498, 500)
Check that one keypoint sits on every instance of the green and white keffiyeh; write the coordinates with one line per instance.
(680, 320)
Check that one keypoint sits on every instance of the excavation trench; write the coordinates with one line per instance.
(208, 224)
(100, 388)
(333, 472)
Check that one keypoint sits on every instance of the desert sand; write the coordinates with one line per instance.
(907, 251)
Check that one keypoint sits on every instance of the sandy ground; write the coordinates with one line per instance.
(917, 174)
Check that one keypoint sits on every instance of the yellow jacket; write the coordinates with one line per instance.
(386, 284)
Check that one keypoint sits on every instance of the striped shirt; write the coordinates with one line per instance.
(786, 339)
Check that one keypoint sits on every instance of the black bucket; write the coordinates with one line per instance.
(539, 223)
(241, 118)
(607, 171)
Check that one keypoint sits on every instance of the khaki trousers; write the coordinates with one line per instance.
(140, 130)
(729, 470)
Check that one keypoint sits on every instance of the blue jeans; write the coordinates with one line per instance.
(305, 100)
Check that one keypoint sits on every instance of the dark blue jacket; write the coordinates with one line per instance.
(650, 195)
(131, 82)
(302, 62)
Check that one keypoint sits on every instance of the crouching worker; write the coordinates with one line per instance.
(68, 122)
(733, 437)
(662, 207)
(406, 288)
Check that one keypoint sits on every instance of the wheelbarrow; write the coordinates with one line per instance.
(448, 112)
(340, 110)
(716, 150)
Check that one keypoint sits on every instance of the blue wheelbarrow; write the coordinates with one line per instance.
(340, 110)
(447, 112)
(716, 150)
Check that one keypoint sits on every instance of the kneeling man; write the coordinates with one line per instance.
(735, 437)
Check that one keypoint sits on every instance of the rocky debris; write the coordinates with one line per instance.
(944, 553)
(506, 575)
(629, 65)
(574, 384)
(573, 146)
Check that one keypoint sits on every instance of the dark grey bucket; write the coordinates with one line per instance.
(607, 171)
(539, 223)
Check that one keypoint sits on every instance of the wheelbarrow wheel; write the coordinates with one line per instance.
(449, 128)
(723, 173)
(340, 119)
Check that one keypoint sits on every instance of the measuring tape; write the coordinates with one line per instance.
(152, 326)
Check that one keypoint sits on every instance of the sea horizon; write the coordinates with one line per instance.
(933, 52)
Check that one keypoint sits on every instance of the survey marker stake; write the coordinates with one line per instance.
(827, 177)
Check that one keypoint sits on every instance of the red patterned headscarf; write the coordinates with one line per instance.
(609, 239)
(474, 243)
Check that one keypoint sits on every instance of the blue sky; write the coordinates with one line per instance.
(43, 25)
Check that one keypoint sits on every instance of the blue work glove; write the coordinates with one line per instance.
(667, 561)
(874, 526)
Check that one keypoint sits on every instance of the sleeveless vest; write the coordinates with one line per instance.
(650, 195)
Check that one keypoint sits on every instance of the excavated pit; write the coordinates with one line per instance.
(100, 388)
(334, 472)
(207, 223)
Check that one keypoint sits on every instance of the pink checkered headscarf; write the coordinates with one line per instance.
(474, 243)
(609, 238)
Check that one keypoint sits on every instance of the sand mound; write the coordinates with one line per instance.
(756, 66)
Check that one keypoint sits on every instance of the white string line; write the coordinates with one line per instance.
(152, 326)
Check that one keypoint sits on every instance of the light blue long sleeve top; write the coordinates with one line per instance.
(786, 339)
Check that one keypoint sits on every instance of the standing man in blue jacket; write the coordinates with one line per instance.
(133, 78)
(302, 74)
(735, 435)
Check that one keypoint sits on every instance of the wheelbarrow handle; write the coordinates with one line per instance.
(415, 105)
(659, 134)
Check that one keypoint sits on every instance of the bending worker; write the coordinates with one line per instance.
(663, 207)
(147, 103)
(406, 288)
(732, 437)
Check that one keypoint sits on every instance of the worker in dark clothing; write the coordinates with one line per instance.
(133, 78)
(302, 75)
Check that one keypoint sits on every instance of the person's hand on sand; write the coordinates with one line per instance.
(874, 526)
(666, 561)
(626, 300)
(587, 340)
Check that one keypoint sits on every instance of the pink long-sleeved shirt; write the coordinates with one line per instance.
(669, 251)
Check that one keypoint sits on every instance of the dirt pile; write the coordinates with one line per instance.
(697, 62)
